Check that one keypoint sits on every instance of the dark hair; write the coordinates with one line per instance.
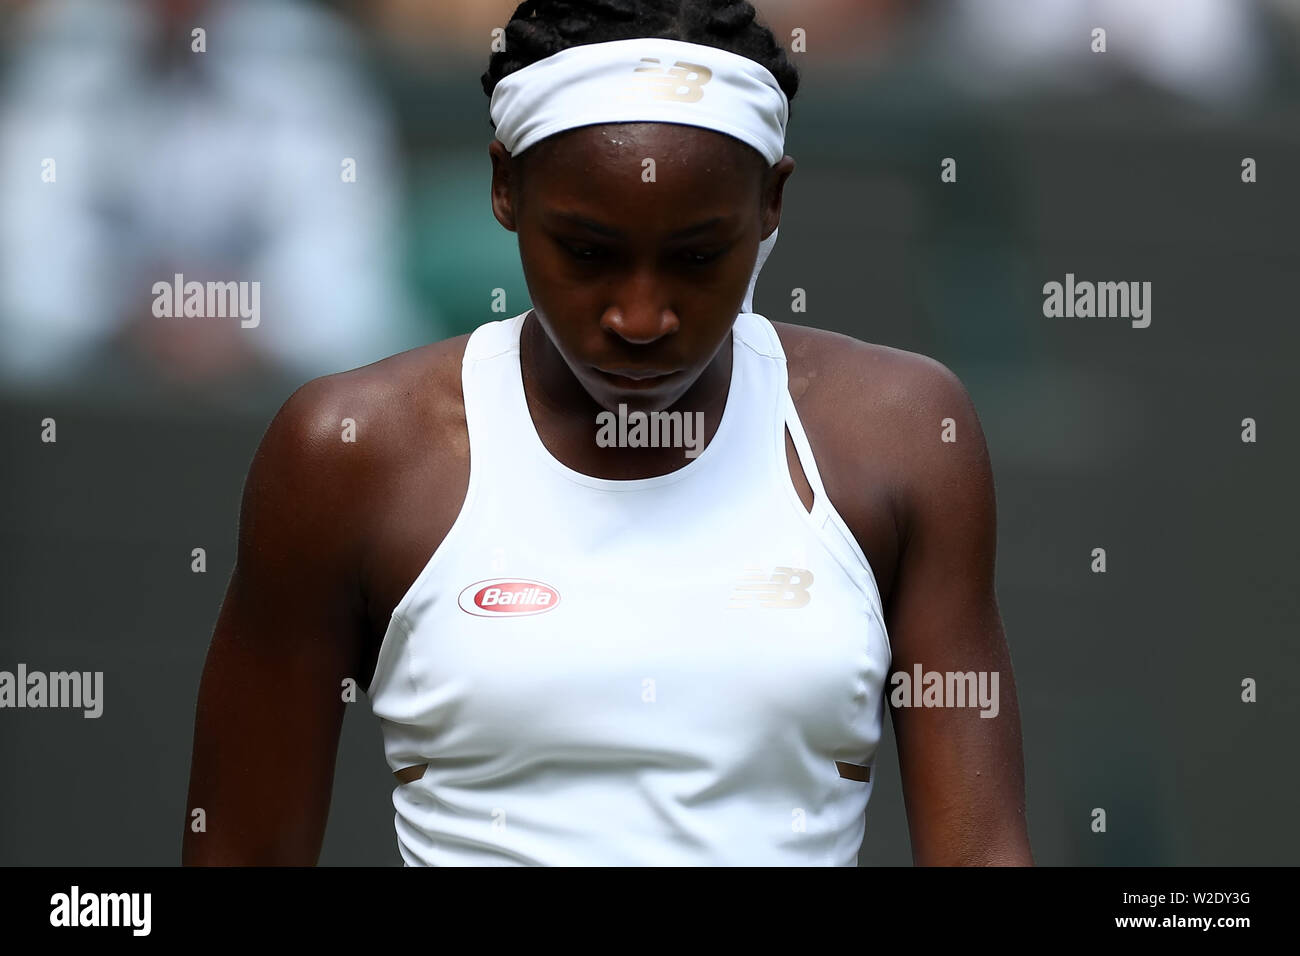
(539, 28)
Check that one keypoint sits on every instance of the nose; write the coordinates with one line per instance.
(636, 322)
(640, 328)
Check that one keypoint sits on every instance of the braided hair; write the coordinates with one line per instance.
(539, 28)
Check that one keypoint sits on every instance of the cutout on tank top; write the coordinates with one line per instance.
(408, 774)
(801, 485)
(854, 771)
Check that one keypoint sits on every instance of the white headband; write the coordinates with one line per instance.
(643, 80)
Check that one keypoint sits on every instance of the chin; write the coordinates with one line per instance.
(635, 399)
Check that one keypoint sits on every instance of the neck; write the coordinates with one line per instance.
(569, 412)
(549, 381)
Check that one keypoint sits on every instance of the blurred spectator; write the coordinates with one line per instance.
(1204, 50)
(835, 28)
(224, 165)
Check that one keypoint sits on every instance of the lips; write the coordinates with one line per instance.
(637, 373)
(639, 376)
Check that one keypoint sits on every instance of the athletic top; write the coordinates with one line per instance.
(686, 669)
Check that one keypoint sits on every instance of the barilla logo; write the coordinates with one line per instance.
(508, 597)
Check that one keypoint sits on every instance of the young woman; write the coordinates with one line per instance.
(585, 645)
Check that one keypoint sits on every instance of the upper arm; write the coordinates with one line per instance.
(270, 704)
(963, 773)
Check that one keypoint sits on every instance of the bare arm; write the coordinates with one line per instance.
(963, 774)
(289, 632)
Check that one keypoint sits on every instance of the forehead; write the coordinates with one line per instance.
(687, 159)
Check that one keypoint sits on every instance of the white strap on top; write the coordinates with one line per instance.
(804, 451)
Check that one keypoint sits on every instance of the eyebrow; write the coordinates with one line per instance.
(613, 233)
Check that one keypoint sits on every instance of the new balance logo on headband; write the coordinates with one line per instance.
(683, 82)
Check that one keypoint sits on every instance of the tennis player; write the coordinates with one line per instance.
(628, 577)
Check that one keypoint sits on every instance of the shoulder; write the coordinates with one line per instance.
(888, 415)
(337, 439)
(373, 407)
(859, 372)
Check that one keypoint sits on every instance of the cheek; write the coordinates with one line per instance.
(545, 273)
(557, 288)
(542, 259)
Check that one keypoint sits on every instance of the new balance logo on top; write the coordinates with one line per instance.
(683, 82)
(783, 587)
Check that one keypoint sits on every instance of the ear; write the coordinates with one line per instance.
(773, 191)
(503, 184)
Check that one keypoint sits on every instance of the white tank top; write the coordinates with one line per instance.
(686, 669)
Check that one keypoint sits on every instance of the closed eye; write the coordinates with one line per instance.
(583, 253)
(702, 258)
